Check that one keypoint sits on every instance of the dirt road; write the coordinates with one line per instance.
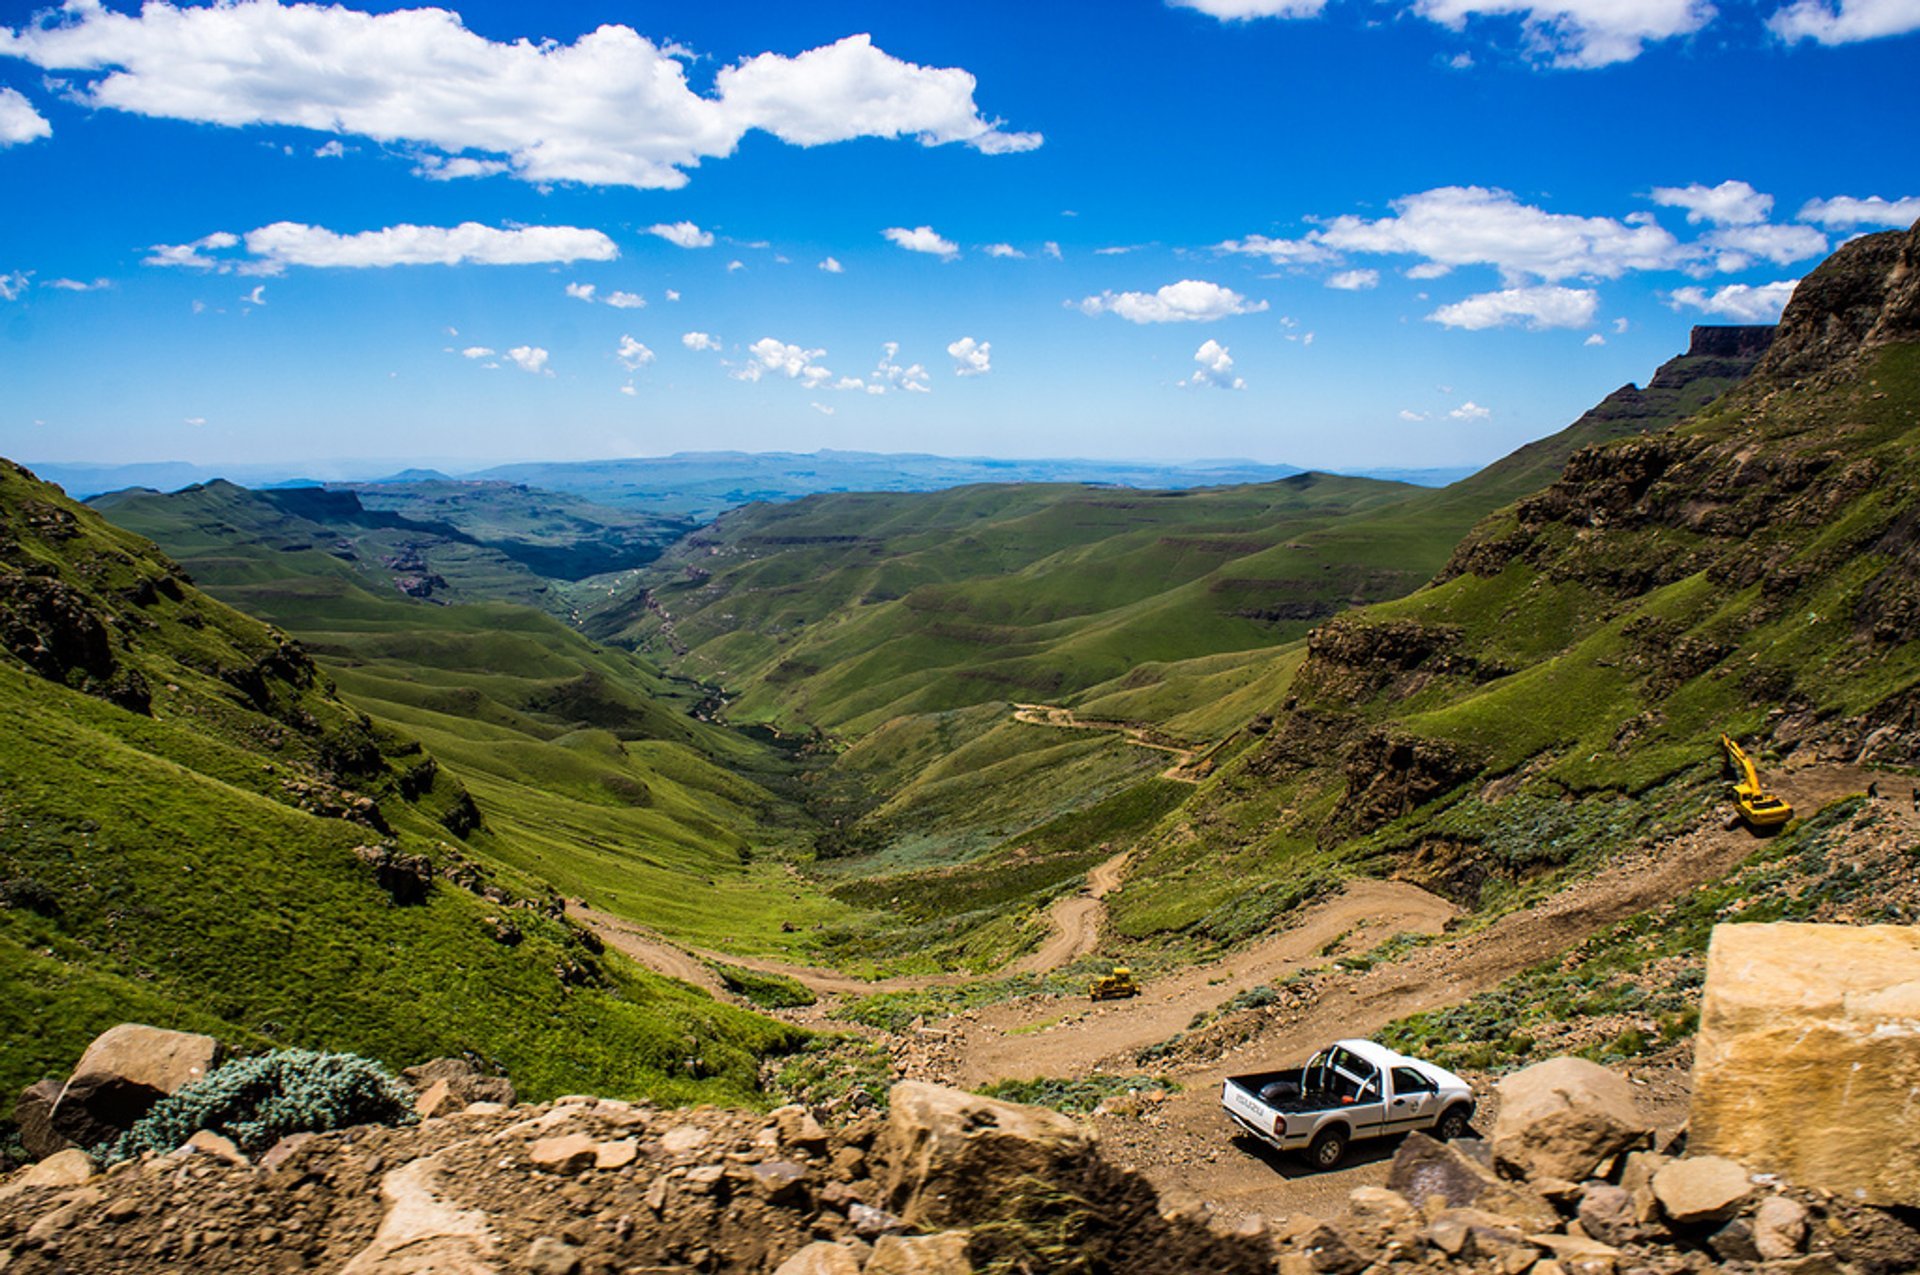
(1077, 921)
(1185, 768)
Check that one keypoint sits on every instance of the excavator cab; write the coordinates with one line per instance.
(1117, 985)
(1760, 808)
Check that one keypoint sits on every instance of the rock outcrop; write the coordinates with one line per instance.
(1806, 1061)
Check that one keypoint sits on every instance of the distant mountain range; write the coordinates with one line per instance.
(703, 485)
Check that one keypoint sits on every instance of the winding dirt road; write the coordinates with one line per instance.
(1077, 921)
(1185, 770)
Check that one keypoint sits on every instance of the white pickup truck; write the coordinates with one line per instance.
(1349, 1091)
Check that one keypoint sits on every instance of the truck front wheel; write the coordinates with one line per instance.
(1328, 1150)
(1452, 1124)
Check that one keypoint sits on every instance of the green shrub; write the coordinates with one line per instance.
(768, 991)
(259, 1100)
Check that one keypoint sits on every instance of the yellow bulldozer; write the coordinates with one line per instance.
(1760, 808)
(1113, 986)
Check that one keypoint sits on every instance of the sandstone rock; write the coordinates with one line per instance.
(950, 1155)
(684, 1138)
(33, 1112)
(1424, 1170)
(821, 1259)
(63, 1168)
(1805, 1056)
(1562, 1117)
(284, 1150)
(124, 1072)
(1814, 1264)
(567, 1153)
(437, 1099)
(615, 1155)
(1577, 1256)
(1780, 1227)
(869, 1222)
(550, 1256)
(1380, 1213)
(1330, 1253)
(1636, 1179)
(779, 1181)
(942, 1254)
(422, 1234)
(1701, 1189)
(1607, 1213)
(207, 1142)
(1734, 1242)
(466, 1083)
(799, 1130)
(50, 1226)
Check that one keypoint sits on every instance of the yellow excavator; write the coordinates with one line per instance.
(1114, 986)
(1760, 808)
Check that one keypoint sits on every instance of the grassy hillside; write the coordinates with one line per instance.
(196, 830)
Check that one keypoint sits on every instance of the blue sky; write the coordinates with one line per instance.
(1335, 233)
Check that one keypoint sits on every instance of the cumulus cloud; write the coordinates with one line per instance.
(1214, 368)
(1474, 225)
(441, 168)
(477, 352)
(971, 357)
(889, 374)
(1188, 301)
(1408, 414)
(626, 301)
(1005, 250)
(1547, 306)
(1355, 280)
(1737, 247)
(1845, 212)
(632, 355)
(258, 296)
(1731, 203)
(1279, 251)
(682, 233)
(194, 255)
(19, 122)
(699, 341)
(832, 266)
(330, 150)
(1744, 303)
(78, 285)
(923, 239)
(581, 291)
(613, 108)
(530, 358)
(1050, 249)
(290, 243)
(14, 284)
(777, 357)
(1846, 22)
(1594, 338)
(1580, 33)
(1470, 411)
(1247, 10)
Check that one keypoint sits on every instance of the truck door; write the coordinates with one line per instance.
(1415, 1103)
(1366, 1109)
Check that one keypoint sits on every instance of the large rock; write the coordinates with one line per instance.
(124, 1072)
(1561, 1118)
(1808, 1053)
(33, 1112)
(457, 1084)
(951, 1155)
(1425, 1169)
(1698, 1189)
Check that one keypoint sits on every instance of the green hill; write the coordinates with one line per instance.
(198, 831)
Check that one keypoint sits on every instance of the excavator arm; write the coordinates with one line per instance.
(1760, 808)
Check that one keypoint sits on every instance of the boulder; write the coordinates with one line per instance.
(821, 1259)
(465, 1084)
(63, 1168)
(1805, 1058)
(951, 1155)
(1702, 1189)
(33, 1112)
(1426, 1169)
(123, 1073)
(1561, 1118)
(1577, 1256)
(1780, 1227)
(1607, 1213)
(567, 1153)
(942, 1254)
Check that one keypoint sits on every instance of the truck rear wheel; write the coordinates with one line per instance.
(1328, 1150)
(1452, 1124)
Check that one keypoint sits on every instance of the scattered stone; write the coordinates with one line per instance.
(870, 1222)
(52, 1225)
(1329, 1253)
(33, 1112)
(423, 1233)
(1734, 1242)
(821, 1259)
(684, 1138)
(1425, 1169)
(63, 1168)
(1562, 1117)
(123, 1073)
(1607, 1213)
(207, 1142)
(799, 1130)
(284, 1150)
(567, 1153)
(1780, 1227)
(615, 1155)
(1701, 1189)
(437, 1099)
(465, 1082)
(950, 1155)
(121, 1210)
(942, 1254)
(549, 1256)
(1792, 1016)
(1578, 1256)
(780, 1181)
(1636, 1179)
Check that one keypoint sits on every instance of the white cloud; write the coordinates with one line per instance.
(699, 341)
(330, 150)
(1580, 33)
(14, 284)
(1005, 250)
(1117, 250)
(1738, 246)
(1428, 270)
(1594, 338)
(289, 243)
(1279, 251)
(1188, 301)
(683, 233)
(888, 374)
(736, 265)
(440, 168)
(1474, 225)
(477, 352)
(78, 285)
(632, 355)
(1731, 203)
(1215, 368)
(1547, 306)
(672, 295)
(612, 108)
(832, 266)
(1355, 280)
(194, 254)
(581, 291)
(629, 391)
(1051, 249)
(258, 296)
(195, 421)
(19, 122)
(923, 239)
(626, 301)
(530, 358)
(970, 357)
(1621, 325)
(822, 408)
(1742, 302)
(1851, 21)
(1845, 212)
(791, 361)
(1470, 411)
(1409, 415)
(1247, 10)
